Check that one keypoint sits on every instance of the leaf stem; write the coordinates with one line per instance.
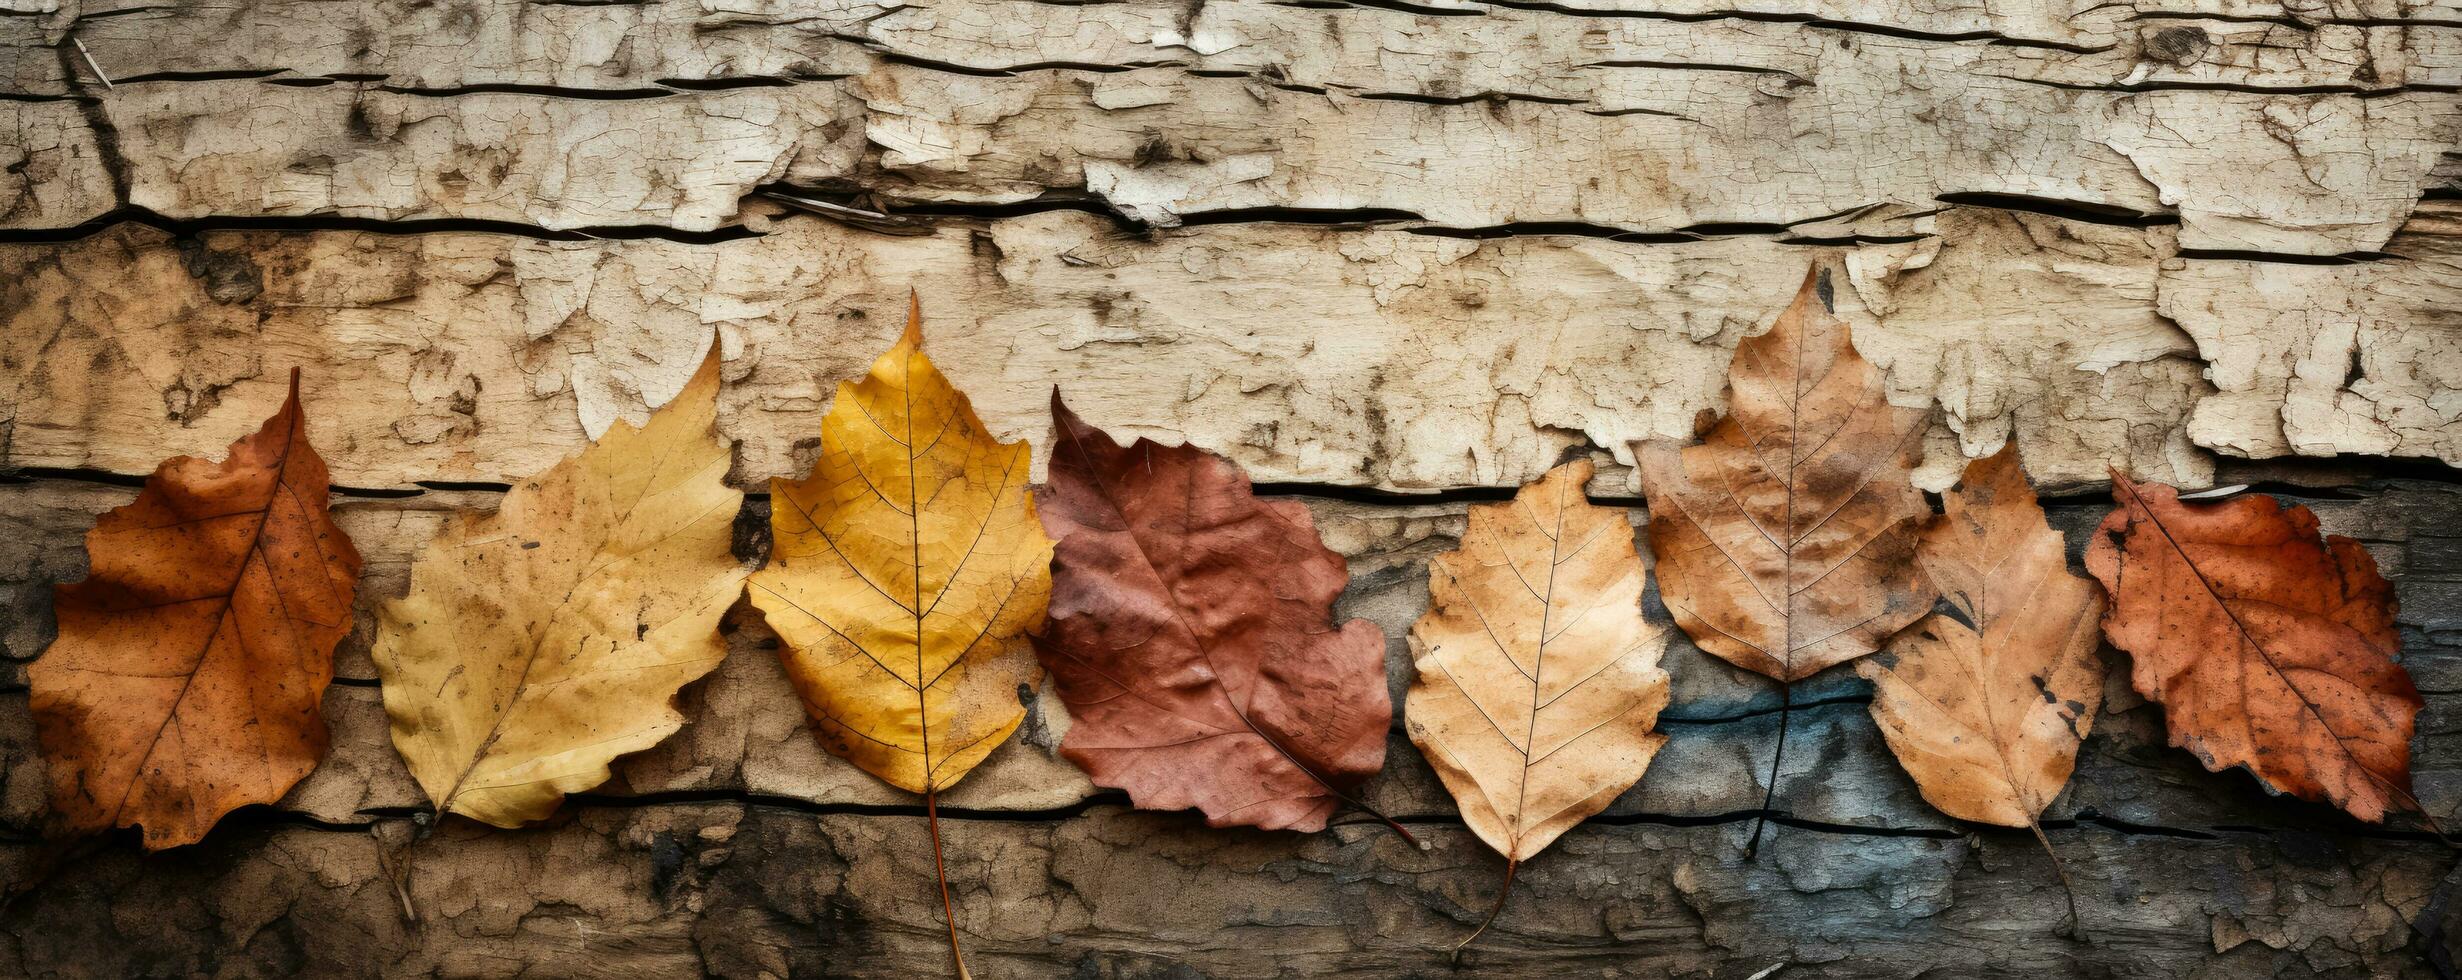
(1511, 866)
(948, 909)
(1389, 822)
(1786, 704)
(395, 863)
(2076, 927)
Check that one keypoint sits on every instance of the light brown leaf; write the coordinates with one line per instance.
(1784, 540)
(540, 642)
(191, 661)
(2267, 646)
(1988, 717)
(1538, 680)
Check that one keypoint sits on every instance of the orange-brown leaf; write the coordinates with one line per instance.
(186, 677)
(1987, 717)
(1784, 540)
(2268, 646)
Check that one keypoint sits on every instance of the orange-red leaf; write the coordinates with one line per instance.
(2268, 647)
(186, 677)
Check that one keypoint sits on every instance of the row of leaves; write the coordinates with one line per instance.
(917, 586)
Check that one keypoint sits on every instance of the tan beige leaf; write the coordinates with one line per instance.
(540, 642)
(1988, 717)
(1538, 680)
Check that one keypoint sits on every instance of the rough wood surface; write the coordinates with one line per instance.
(1891, 877)
(473, 356)
(1162, 111)
(1369, 250)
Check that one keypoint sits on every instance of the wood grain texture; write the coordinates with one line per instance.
(2287, 888)
(485, 357)
(2238, 128)
(2200, 240)
(693, 888)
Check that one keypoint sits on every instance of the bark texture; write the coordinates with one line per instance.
(1363, 249)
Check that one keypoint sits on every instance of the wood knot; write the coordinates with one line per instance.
(2178, 46)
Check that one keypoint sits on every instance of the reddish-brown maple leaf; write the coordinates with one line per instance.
(2269, 647)
(186, 677)
(1191, 636)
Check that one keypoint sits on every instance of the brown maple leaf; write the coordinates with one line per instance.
(190, 665)
(1191, 637)
(2269, 647)
(1785, 539)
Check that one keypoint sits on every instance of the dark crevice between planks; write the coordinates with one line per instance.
(192, 227)
(2084, 212)
(268, 816)
(2336, 478)
(1858, 700)
(867, 210)
(1804, 20)
(2288, 258)
(2356, 91)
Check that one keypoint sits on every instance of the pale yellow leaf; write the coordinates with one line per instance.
(540, 642)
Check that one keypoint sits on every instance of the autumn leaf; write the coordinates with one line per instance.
(1784, 540)
(191, 661)
(905, 574)
(2268, 647)
(540, 642)
(1191, 636)
(1538, 680)
(1987, 712)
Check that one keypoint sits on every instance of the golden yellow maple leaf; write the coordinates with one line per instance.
(540, 642)
(904, 575)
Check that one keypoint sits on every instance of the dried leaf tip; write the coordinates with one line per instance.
(913, 337)
(1816, 285)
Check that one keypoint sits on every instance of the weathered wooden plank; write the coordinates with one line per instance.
(2330, 359)
(1375, 358)
(1443, 51)
(683, 160)
(725, 889)
(1636, 123)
